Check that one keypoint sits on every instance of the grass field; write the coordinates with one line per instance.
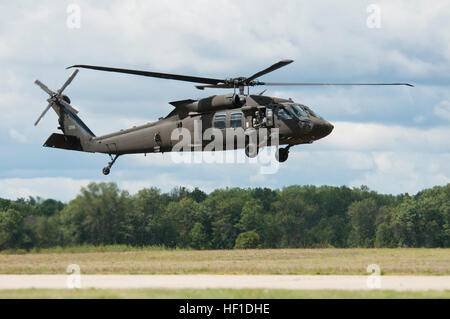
(399, 261)
(216, 293)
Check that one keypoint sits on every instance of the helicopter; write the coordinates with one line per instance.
(294, 123)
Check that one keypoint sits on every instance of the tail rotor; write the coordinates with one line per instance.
(56, 97)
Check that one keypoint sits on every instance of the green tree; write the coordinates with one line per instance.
(43, 231)
(199, 237)
(252, 216)
(197, 195)
(423, 220)
(332, 231)
(96, 216)
(247, 240)
(49, 207)
(363, 216)
(294, 217)
(385, 236)
(223, 208)
(178, 193)
(265, 196)
(183, 215)
(11, 229)
(142, 219)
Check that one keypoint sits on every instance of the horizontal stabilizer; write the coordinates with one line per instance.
(67, 142)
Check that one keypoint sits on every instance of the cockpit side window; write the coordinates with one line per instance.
(283, 114)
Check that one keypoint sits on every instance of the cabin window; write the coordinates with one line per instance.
(283, 114)
(219, 121)
(236, 120)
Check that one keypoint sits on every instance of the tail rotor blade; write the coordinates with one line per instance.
(69, 80)
(44, 87)
(43, 113)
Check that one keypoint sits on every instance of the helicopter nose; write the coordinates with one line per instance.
(330, 128)
(322, 129)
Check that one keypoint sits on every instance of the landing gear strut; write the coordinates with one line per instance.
(107, 169)
(282, 154)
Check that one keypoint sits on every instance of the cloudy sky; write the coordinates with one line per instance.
(392, 139)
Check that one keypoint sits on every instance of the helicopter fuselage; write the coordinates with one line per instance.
(215, 123)
(195, 130)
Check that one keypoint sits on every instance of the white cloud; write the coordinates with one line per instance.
(61, 188)
(419, 119)
(379, 137)
(405, 172)
(223, 35)
(443, 110)
(164, 181)
(328, 41)
(315, 166)
(66, 189)
(16, 136)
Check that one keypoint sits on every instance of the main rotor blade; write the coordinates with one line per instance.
(270, 69)
(44, 87)
(69, 80)
(281, 84)
(178, 77)
(43, 113)
(214, 86)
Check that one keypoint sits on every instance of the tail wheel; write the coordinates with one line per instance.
(107, 168)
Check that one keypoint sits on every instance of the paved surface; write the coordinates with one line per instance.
(226, 281)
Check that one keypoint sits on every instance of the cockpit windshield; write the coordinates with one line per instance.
(300, 110)
(311, 111)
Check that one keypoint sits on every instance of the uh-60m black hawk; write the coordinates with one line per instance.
(296, 123)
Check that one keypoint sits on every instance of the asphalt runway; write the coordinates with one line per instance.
(317, 282)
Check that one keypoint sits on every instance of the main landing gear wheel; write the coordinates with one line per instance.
(282, 154)
(106, 170)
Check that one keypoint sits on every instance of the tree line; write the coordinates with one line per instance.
(295, 216)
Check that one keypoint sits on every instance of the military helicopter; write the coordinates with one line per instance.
(295, 123)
